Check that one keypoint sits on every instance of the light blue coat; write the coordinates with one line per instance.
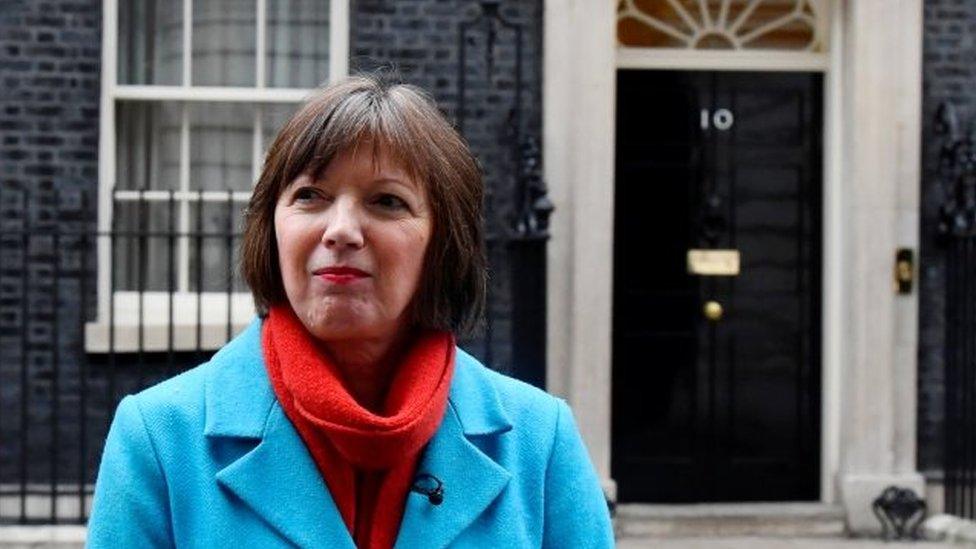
(208, 459)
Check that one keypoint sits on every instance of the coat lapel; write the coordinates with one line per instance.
(277, 479)
(471, 479)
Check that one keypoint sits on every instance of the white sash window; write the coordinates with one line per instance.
(192, 93)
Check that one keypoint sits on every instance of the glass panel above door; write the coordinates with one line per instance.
(782, 25)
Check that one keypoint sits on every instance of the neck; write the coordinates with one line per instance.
(368, 365)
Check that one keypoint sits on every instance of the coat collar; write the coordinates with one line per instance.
(240, 403)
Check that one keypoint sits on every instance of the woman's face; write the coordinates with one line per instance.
(351, 245)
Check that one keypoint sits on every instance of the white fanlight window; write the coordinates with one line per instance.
(739, 33)
(192, 93)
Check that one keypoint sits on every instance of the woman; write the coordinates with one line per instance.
(345, 415)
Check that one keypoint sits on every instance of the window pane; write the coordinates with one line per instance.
(147, 145)
(150, 42)
(145, 256)
(224, 42)
(221, 146)
(273, 118)
(298, 43)
(218, 242)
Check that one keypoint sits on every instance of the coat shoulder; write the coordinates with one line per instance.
(530, 410)
(182, 388)
(177, 403)
(560, 502)
(234, 373)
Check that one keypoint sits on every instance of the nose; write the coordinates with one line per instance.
(344, 227)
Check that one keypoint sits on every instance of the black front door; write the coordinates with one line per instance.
(716, 377)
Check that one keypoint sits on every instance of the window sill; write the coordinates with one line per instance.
(194, 322)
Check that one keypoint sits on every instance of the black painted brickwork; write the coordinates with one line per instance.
(420, 38)
(49, 100)
(949, 74)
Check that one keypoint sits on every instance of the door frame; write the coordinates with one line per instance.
(868, 343)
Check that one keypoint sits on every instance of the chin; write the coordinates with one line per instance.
(339, 323)
(332, 333)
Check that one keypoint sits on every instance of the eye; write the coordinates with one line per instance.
(305, 194)
(391, 202)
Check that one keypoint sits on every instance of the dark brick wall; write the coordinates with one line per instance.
(49, 117)
(949, 74)
(49, 95)
(420, 38)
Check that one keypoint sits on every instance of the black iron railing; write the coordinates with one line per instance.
(491, 59)
(957, 231)
(68, 353)
(75, 341)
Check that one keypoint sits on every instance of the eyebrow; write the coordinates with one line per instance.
(408, 183)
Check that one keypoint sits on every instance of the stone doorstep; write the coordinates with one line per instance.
(950, 528)
(54, 537)
(747, 519)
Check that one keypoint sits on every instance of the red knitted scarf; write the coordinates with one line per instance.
(367, 460)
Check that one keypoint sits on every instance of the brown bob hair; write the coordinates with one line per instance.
(378, 111)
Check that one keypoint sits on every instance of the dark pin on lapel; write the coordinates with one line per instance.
(430, 486)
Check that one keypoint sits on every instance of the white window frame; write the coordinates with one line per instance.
(153, 332)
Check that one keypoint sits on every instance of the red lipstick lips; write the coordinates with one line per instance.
(341, 275)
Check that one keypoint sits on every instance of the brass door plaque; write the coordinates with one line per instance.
(713, 262)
